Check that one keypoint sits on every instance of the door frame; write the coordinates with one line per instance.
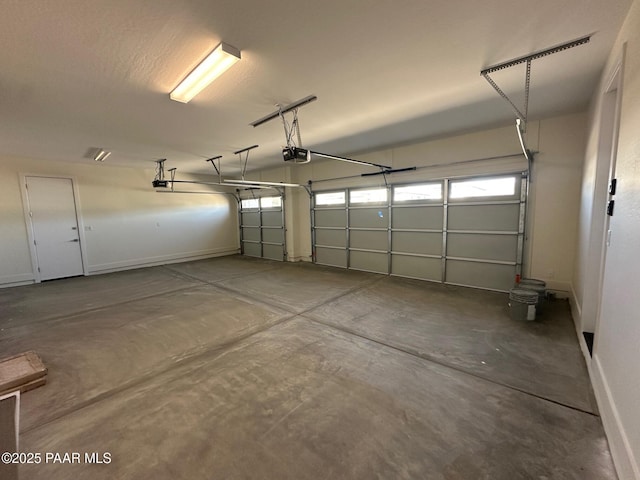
(29, 226)
(614, 84)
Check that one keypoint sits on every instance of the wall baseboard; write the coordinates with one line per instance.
(161, 260)
(299, 259)
(623, 456)
(576, 315)
(18, 280)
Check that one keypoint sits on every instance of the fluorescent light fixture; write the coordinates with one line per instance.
(216, 63)
(101, 155)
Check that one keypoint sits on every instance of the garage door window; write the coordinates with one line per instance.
(330, 198)
(250, 203)
(425, 191)
(485, 187)
(271, 202)
(378, 195)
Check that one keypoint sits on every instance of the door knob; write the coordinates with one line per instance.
(75, 240)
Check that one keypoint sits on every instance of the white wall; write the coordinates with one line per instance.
(615, 366)
(124, 222)
(554, 194)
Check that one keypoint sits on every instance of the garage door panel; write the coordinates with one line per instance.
(273, 235)
(330, 218)
(482, 246)
(331, 238)
(273, 252)
(483, 275)
(484, 217)
(426, 218)
(372, 240)
(371, 262)
(417, 267)
(331, 256)
(251, 219)
(252, 249)
(417, 242)
(251, 234)
(272, 218)
(375, 217)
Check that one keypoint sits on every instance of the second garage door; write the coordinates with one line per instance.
(459, 231)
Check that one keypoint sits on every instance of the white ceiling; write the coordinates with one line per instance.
(77, 74)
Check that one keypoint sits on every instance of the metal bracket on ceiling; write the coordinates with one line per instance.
(172, 172)
(243, 163)
(283, 110)
(217, 168)
(293, 138)
(294, 153)
(522, 115)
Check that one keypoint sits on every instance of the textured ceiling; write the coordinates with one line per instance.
(96, 73)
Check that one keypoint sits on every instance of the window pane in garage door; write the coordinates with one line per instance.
(330, 198)
(424, 191)
(377, 195)
(483, 188)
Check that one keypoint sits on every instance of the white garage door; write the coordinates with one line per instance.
(262, 227)
(459, 231)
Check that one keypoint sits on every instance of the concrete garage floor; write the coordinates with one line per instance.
(235, 368)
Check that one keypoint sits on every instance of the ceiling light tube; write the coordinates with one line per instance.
(101, 155)
(216, 63)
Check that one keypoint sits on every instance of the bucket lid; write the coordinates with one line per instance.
(533, 281)
(540, 289)
(529, 297)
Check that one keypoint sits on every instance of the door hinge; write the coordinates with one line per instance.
(34, 242)
(38, 269)
(31, 214)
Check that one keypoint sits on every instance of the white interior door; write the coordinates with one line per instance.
(54, 224)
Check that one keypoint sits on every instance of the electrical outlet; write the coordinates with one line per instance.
(551, 274)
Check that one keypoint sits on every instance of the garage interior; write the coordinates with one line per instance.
(214, 299)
